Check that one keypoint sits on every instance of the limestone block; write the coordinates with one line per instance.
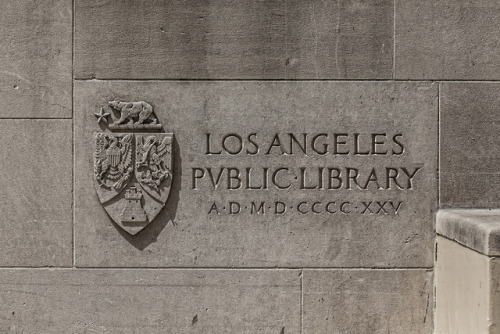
(149, 301)
(35, 58)
(467, 294)
(353, 231)
(476, 229)
(231, 39)
(354, 301)
(448, 39)
(494, 298)
(36, 193)
(469, 147)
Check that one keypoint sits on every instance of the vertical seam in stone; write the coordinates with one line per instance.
(302, 301)
(73, 131)
(394, 40)
(438, 172)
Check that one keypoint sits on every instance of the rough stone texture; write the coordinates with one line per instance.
(469, 146)
(448, 39)
(150, 301)
(476, 229)
(467, 294)
(185, 235)
(233, 40)
(35, 58)
(367, 301)
(36, 196)
(494, 298)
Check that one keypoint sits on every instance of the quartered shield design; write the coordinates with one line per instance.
(133, 176)
(154, 164)
(113, 164)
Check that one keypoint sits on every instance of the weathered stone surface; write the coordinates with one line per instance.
(35, 58)
(494, 297)
(190, 233)
(447, 39)
(476, 229)
(36, 195)
(467, 296)
(233, 40)
(150, 301)
(367, 301)
(469, 148)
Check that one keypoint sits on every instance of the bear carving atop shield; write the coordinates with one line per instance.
(132, 170)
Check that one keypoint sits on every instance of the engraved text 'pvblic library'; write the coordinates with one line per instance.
(337, 162)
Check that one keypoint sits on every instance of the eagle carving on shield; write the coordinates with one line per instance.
(152, 169)
(132, 171)
(113, 160)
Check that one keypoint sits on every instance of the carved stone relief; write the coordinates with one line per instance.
(132, 171)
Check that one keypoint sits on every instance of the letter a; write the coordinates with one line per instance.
(212, 208)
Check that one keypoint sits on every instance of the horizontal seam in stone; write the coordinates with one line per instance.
(223, 268)
(290, 80)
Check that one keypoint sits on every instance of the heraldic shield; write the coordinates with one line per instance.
(132, 173)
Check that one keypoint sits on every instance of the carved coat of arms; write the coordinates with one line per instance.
(132, 164)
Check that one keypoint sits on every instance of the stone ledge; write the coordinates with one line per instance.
(478, 229)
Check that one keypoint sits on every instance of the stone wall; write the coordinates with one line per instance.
(381, 112)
